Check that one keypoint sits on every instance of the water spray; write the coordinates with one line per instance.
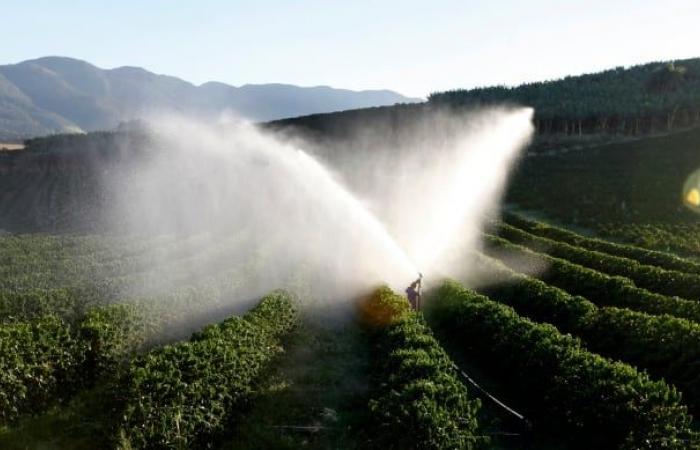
(372, 214)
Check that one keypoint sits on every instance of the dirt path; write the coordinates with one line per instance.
(316, 396)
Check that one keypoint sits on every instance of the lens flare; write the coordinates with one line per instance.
(691, 192)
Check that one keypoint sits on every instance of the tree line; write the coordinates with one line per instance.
(648, 98)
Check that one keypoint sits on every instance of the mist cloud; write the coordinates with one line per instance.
(375, 207)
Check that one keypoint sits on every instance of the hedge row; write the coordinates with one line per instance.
(419, 401)
(666, 346)
(641, 255)
(39, 362)
(110, 335)
(648, 277)
(531, 297)
(595, 402)
(678, 237)
(184, 395)
(602, 289)
(46, 360)
(30, 304)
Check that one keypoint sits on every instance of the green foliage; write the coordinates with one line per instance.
(39, 363)
(382, 307)
(666, 346)
(641, 255)
(19, 305)
(602, 289)
(597, 403)
(110, 334)
(629, 189)
(534, 298)
(644, 98)
(655, 279)
(67, 277)
(184, 395)
(419, 401)
(167, 279)
(46, 360)
(681, 238)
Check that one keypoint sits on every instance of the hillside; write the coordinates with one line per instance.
(631, 181)
(612, 153)
(57, 94)
(634, 181)
(651, 98)
(642, 99)
(608, 182)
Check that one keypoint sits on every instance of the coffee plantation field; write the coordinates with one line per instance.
(577, 325)
(566, 341)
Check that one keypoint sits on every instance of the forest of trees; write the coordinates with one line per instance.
(649, 98)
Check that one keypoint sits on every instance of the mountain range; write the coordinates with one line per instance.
(58, 94)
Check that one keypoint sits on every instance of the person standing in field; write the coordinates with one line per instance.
(413, 292)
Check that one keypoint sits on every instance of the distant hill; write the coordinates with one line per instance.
(58, 94)
(643, 99)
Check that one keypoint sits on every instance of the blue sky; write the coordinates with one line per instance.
(414, 47)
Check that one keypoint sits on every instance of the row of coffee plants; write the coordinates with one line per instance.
(187, 394)
(602, 289)
(23, 305)
(666, 346)
(681, 238)
(587, 399)
(665, 282)
(98, 337)
(38, 363)
(418, 401)
(641, 255)
(46, 360)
